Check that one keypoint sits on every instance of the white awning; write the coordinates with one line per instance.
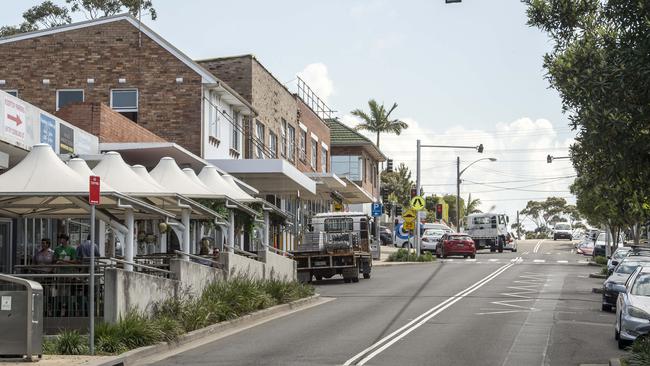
(352, 193)
(213, 180)
(170, 176)
(119, 175)
(273, 176)
(80, 166)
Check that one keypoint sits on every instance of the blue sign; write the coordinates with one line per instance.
(376, 209)
(48, 131)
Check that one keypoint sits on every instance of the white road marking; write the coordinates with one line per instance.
(526, 285)
(547, 253)
(563, 261)
(537, 246)
(526, 253)
(539, 260)
(493, 259)
(402, 332)
(470, 260)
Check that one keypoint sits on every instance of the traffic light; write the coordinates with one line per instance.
(398, 210)
(389, 165)
(439, 211)
(413, 192)
(388, 207)
(549, 159)
(480, 148)
(384, 194)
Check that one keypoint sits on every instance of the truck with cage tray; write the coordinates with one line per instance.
(336, 243)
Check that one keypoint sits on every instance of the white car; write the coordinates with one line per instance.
(633, 307)
(562, 231)
(430, 239)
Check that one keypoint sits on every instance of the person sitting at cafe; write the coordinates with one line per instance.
(84, 250)
(45, 255)
(64, 253)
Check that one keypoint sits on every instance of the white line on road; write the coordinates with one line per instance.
(402, 332)
(493, 259)
(470, 260)
(537, 246)
(539, 260)
(526, 253)
(563, 261)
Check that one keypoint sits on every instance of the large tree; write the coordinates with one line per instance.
(399, 184)
(543, 213)
(600, 65)
(48, 14)
(379, 120)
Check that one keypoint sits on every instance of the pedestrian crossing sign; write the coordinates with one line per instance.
(417, 203)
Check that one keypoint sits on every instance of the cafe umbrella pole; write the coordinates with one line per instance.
(91, 300)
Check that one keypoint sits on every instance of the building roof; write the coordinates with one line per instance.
(342, 135)
(206, 76)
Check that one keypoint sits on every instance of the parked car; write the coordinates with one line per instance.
(633, 307)
(562, 231)
(385, 235)
(442, 227)
(586, 248)
(430, 239)
(600, 246)
(456, 244)
(620, 274)
(616, 258)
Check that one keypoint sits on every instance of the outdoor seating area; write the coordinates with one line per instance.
(147, 223)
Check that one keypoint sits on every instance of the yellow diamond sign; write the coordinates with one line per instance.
(417, 203)
(409, 225)
(409, 215)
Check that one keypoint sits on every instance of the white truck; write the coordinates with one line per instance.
(490, 230)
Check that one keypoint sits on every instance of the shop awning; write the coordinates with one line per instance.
(272, 176)
(352, 193)
(41, 185)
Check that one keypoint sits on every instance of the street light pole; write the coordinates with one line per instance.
(417, 193)
(458, 174)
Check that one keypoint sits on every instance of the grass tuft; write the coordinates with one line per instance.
(405, 255)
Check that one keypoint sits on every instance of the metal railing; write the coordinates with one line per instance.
(242, 252)
(278, 251)
(206, 260)
(142, 268)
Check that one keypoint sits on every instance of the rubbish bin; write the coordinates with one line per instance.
(21, 317)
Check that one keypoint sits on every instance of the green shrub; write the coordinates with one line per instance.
(49, 346)
(640, 352)
(284, 292)
(136, 330)
(70, 342)
(405, 255)
(169, 327)
(601, 260)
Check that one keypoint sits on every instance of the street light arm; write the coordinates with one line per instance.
(472, 163)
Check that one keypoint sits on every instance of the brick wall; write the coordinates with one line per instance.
(106, 53)
(317, 126)
(110, 126)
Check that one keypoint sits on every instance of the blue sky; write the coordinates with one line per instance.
(463, 73)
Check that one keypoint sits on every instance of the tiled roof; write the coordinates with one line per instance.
(342, 135)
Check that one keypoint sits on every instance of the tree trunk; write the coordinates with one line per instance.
(378, 139)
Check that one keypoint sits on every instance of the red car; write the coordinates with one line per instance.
(456, 244)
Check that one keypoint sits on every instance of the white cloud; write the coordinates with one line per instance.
(520, 148)
(317, 77)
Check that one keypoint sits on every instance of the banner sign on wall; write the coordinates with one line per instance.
(66, 139)
(48, 131)
(14, 121)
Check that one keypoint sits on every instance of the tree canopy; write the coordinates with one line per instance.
(398, 183)
(600, 65)
(48, 14)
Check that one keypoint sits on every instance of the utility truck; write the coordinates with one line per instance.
(337, 243)
(490, 230)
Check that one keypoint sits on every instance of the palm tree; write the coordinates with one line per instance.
(378, 120)
(472, 205)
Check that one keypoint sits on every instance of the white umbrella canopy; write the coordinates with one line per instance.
(144, 174)
(80, 166)
(41, 171)
(169, 175)
(211, 178)
(119, 175)
(240, 192)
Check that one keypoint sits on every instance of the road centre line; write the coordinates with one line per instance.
(539, 243)
(400, 333)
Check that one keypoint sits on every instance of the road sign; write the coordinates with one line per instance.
(376, 209)
(338, 207)
(417, 203)
(94, 193)
(409, 225)
(409, 215)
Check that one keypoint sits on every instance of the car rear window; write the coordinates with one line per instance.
(627, 267)
(459, 237)
(562, 227)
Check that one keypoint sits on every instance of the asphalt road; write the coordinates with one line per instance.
(533, 307)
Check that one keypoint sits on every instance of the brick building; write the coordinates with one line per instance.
(128, 67)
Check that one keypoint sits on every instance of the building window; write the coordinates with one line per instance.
(323, 160)
(273, 145)
(284, 138)
(303, 145)
(259, 134)
(67, 96)
(291, 146)
(348, 166)
(12, 92)
(236, 127)
(314, 153)
(125, 102)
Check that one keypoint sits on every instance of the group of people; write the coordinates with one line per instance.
(64, 253)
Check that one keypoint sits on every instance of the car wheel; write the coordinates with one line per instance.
(606, 307)
(617, 335)
(514, 250)
(406, 245)
(473, 256)
(366, 275)
(622, 343)
(444, 255)
(554, 238)
(318, 277)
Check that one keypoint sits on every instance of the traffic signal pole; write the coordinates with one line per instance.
(458, 194)
(417, 193)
